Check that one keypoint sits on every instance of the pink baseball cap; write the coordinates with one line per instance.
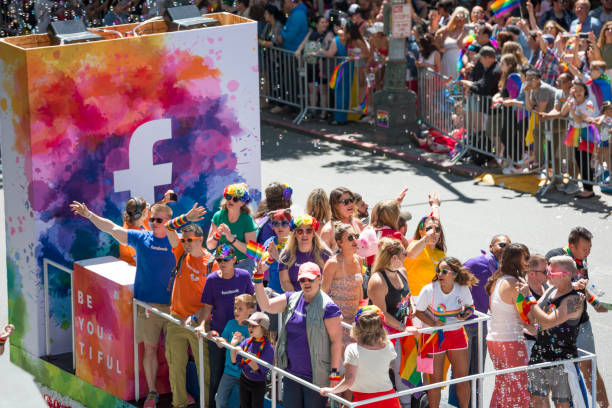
(309, 270)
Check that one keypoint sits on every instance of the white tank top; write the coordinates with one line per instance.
(505, 323)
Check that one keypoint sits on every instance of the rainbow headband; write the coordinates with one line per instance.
(287, 192)
(370, 307)
(425, 218)
(306, 220)
(237, 190)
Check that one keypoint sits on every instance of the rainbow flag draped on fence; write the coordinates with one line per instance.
(337, 75)
(409, 371)
(601, 90)
(255, 251)
(502, 7)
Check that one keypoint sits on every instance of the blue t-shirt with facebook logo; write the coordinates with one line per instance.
(154, 264)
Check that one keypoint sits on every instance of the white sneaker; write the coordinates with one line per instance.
(276, 109)
(512, 170)
(572, 188)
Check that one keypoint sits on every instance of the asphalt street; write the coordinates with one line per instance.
(471, 212)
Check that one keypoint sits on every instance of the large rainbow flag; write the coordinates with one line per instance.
(409, 361)
(502, 7)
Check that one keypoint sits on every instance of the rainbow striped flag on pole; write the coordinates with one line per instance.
(502, 7)
(255, 251)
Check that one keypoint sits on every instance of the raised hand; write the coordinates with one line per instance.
(80, 209)
(196, 213)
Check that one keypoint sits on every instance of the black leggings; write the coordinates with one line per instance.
(251, 393)
(586, 171)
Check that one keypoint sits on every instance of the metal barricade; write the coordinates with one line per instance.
(349, 93)
(438, 101)
(279, 73)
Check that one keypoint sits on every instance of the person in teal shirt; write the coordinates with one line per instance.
(233, 225)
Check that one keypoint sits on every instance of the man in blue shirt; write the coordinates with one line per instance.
(296, 27)
(154, 264)
(583, 22)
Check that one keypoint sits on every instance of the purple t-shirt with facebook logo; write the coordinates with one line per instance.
(298, 353)
(300, 258)
(220, 294)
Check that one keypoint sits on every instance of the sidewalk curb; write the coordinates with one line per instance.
(376, 149)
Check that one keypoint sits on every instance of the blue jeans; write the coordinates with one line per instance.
(216, 357)
(297, 396)
(472, 334)
(228, 391)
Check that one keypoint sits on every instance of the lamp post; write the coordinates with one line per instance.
(395, 109)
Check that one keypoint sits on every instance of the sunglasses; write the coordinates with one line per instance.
(306, 280)
(551, 273)
(224, 259)
(229, 197)
(446, 272)
(501, 244)
(348, 201)
(301, 231)
(277, 224)
(438, 229)
(183, 240)
(157, 220)
(352, 237)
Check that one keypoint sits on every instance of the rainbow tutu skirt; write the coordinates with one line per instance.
(585, 139)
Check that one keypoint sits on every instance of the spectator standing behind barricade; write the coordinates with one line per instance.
(317, 205)
(154, 263)
(429, 57)
(303, 245)
(447, 300)
(580, 135)
(281, 222)
(277, 197)
(388, 289)
(505, 332)
(426, 250)
(509, 86)
(603, 46)
(218, 298)
(244, 306)
(379, 43)
(487, 85)
(604, 124)
(482, 267)
(342, 275)
(253, 376)
(317, 69)
(342, 89)
(296, 27)
(233, 225)
(310, 346)
(558, 315)
(367, 361)
(450, 40)
(537, 279)
(4, 336)
(604, 12)
(579, 247)
(194, 264)
(269, 62)
(342, 204)
(584, 23)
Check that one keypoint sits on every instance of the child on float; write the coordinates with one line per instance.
(367, 361)
(244, 306)
(253, 377)
(447, 300)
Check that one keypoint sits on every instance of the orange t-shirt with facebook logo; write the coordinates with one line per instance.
(189, 283)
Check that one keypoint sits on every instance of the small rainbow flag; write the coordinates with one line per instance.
(255, 251)
(502, 7)
(337, 75)
(364, 104)
(520, 302)
(409, 371)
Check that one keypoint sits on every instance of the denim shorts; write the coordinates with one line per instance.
(586, 341)
(553, 379)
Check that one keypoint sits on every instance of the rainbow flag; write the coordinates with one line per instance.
(337, 75)
(364, 104)
(601, 90)
(409, 371)
(502, 7)
(255, 251)
(520, 303)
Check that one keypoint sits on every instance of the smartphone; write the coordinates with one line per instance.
(583, 35)
(173, 197)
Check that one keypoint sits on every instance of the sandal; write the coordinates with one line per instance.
(151, 400)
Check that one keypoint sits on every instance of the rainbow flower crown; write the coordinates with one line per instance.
(237, 190)
(370, 307)
(306, 220)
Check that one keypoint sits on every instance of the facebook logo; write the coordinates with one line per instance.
(141, 177)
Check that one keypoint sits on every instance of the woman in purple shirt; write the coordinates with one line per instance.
(310, 345)
(304, 245)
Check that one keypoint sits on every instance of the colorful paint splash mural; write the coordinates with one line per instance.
(99, 122)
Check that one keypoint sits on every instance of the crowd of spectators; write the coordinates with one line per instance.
(351, 269)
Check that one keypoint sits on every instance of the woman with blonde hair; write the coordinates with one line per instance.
(233, 225)
(317, 206)
(449, 39)
(367, 361)
(447, 300)
(304, 245)
(388, 289)
(603, 47)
